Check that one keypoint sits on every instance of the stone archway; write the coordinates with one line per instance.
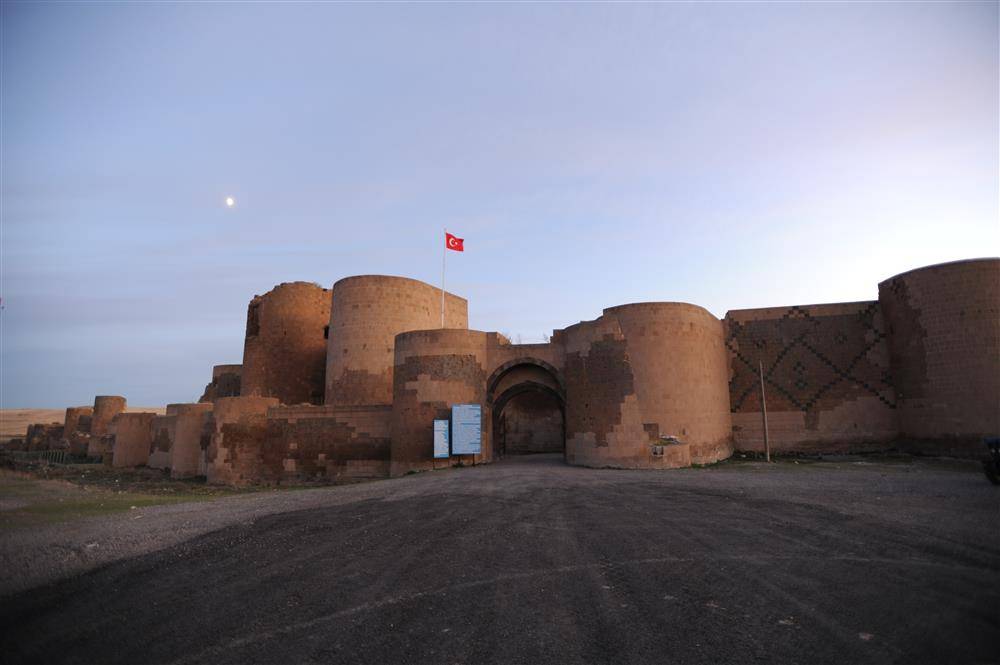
(529, 408)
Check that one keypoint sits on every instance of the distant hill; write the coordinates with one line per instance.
(14, 422)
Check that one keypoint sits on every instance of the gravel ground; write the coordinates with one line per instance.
(532, 561)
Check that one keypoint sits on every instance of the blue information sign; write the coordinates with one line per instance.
(440, 439)
(466, 429)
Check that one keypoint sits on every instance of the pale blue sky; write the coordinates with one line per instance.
(728, 155)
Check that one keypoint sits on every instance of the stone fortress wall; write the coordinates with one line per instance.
(944, 349)
(367, 313)
(344, 384)
(827, 379)
(226, 382)
(284, 355)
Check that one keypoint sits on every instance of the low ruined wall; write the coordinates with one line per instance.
(257, 441)
(827, 381)
(226, 382)
(101, 447)
(238, 433)
(78, 419)
(43, 436)
(162, 436)
(327, 442)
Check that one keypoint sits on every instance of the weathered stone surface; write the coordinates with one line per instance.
(646, 385)
(106, 407)
(944, 351)
(284, 355)
(827, 380)
(133, 435)
(368, 312)
(226, 382)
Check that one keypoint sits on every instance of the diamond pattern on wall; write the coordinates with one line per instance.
(812, 358)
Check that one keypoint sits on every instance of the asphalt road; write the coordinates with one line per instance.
(535, 562)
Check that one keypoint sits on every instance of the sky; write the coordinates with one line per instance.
(731, 155)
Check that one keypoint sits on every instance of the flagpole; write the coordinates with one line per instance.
(444, 253)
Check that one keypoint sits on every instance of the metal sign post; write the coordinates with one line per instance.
(763, 411)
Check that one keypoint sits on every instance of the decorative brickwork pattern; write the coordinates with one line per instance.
(826, 375)
(812, 359)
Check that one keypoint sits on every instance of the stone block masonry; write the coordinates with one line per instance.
(284, 353)
(944, 350)
(345, 383)
(133, 434)
(827, 377)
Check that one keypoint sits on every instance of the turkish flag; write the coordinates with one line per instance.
(453, 243)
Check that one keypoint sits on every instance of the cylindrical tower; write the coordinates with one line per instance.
(368, 312)
(433, 370)
(74, 414)
(681, 372)
(943, 334)
(284, 355)
(641, 373)
(191, 438)
(226, 381)
(106, 407)
(133, 438)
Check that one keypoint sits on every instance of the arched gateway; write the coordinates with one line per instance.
(527, 399)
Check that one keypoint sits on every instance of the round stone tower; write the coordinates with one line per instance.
(641, 373)
(943, 334)
(106, 407)
(284, 354)
(434, 369)
(368, 312)
(74, 416)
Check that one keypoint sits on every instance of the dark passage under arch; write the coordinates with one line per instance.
(529, 417)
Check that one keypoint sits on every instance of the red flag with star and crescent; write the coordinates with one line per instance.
(453, 243)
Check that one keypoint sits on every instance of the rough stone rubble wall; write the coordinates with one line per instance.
(255, 440)
(226, 382)
(827, 377)
(163, 428)
(41, 436)
(238, 433)
(327, 442)
(78, 419)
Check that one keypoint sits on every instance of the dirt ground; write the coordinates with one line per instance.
(529, 561)
(55, 494)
